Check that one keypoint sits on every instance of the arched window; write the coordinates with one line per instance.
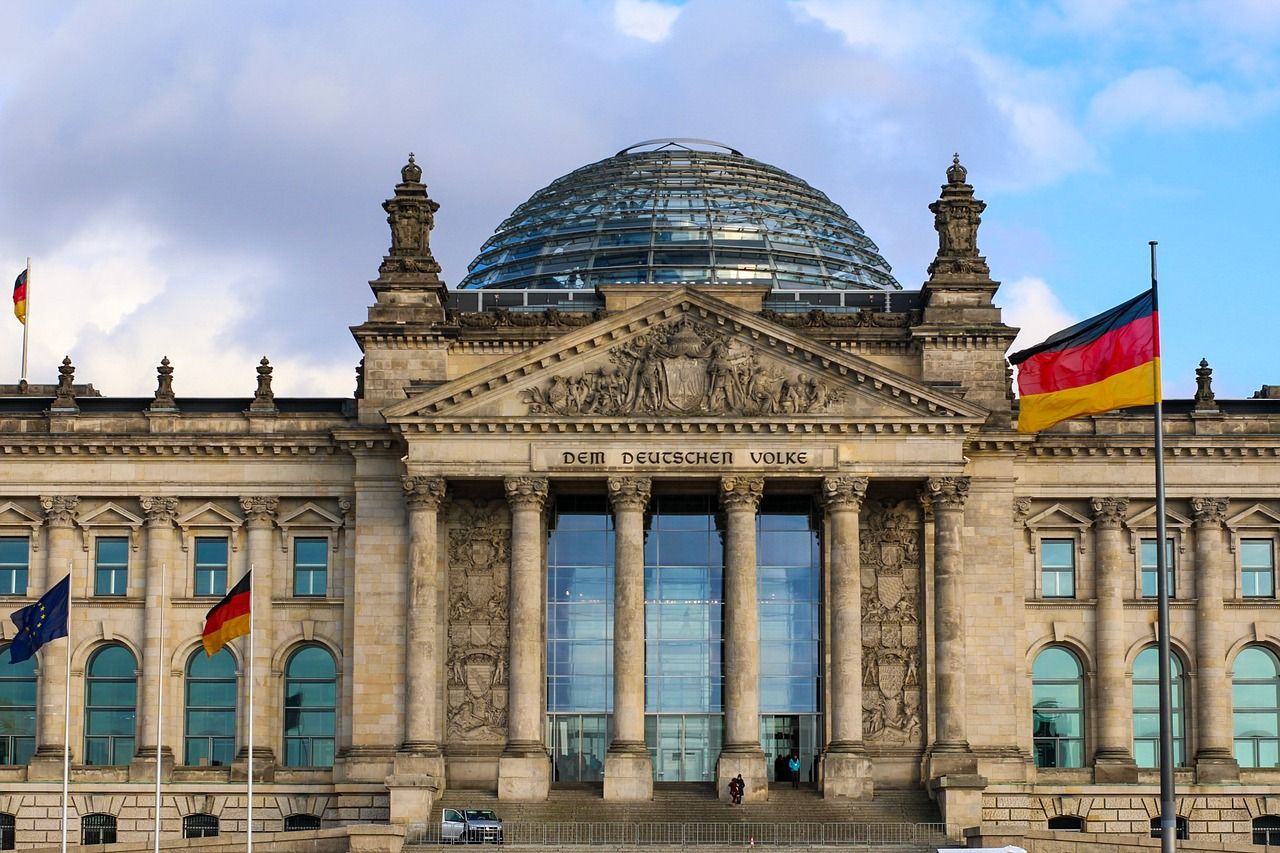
(1067, 823)
(1181, 830)
(199, 826)
(111, 706)
(1057, 702)
(1266, 829)
(7, 832)
(310, 707)
(1146, 708)
(98, 829)
(1255, 696)
(17, 709)
(297, 822)
(211, 709)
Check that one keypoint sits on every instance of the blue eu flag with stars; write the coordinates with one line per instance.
(41, 622)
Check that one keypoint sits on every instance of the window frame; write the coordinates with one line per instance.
(328, 541)
(8, 831)
(11, 748)
(1082, 710)
(211, 590)
(1256, 522)
(112, 740)
(11, 570)
(1241, 568)
(1179, 708)
(313, 822)
(188, 739)
(115, 569)
(1274, 710)
(1042, 569)
(200, 825)
(104, 834)
(309, 740)
(1171, 570)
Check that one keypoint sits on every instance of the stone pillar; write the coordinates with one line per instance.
(846, 771)
(950, 754)
(260, 516)
(1113, 760)
(628, 770)
(419, 774)
(51, 660)
(1215, 760)
(742, 754)
(524, 770)
(161, 537)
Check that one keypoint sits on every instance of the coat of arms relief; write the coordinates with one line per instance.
(890, 558)
(479, 533)
(684, 368)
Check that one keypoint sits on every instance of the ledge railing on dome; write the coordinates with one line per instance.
(782, 301)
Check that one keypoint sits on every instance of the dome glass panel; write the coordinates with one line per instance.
(679, 212)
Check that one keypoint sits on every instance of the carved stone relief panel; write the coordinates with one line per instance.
(890, 554)
(479, 568)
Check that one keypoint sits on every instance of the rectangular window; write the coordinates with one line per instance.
(310, 567)
(14, 559)
(1057, 568)
(1257, 568)
(111, 565)
(211, 567)
(1149, 569)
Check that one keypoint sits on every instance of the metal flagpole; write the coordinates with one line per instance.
(66, 721)
(1168, 809)
(26, 322)
(249, 834)
(160, 705)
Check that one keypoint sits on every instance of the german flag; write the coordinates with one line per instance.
(20, 297)
(1106, 362)
(227, 619)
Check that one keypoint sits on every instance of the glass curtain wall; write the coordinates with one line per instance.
(684, 634)
(788, 562)
(579, 636)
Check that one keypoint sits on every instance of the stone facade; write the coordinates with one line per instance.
(431, 490)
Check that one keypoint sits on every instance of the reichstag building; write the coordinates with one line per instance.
(678, 482)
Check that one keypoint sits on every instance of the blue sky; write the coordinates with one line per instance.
(203, 181)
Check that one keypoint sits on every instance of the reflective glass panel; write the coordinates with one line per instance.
(17, 709)
(1255, 692)
(1057, 716)
(111, 689)
(1146, 708)
(13, 565)
(310, 708)
(210, 709)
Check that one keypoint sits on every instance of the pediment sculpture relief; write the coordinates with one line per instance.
(683, 369)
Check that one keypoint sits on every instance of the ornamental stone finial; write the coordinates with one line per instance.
(59, 510)
(161, 510)
(956, 217)
(844, 492)
(1109, 513)
(956, 173)
(629, 492)
(947, 493)
(411, 213)
(411, 173)
(1204, 399)
(64, 400)
(164, 400)
(424, 492)
(527, 491)
(741, 493)
(264, 399)
(1209, 512)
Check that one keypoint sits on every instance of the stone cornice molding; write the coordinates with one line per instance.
(790, 425)
(1108, 513)
(144, 445)
(629, 492)
(424, 493)
(260, 510)
(161, 511)
(1209, 513)
(59, 510)
(947, 493)
(741, 493)
(843, 493)
(527, 492)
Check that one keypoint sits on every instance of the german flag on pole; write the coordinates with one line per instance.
(20, 297)
(229, 618)
(1106, 362)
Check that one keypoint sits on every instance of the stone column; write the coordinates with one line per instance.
(1112, 760)
(419, 765)
(51, 660)
(160, 540)
(260, 516)
(524, 770)
(628, 770)
(1215, 760)
(846, 771)
(742, 754)
(950, 753)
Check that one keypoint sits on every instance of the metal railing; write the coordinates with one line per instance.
(697, 833)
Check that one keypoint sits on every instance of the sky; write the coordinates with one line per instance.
(204, 181)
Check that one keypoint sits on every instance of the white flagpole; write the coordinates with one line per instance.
(26, 324)
(66, 713)
(249, 834)
(164, 570)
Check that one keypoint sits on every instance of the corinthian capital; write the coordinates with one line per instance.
(844, 492)
(1209, 512)
(629, 492)
(161, 511)
(59, 510)
(260, 509)
(1109, 513)
(947, 492)
(529, 492)
(742, 493)
(424, 492)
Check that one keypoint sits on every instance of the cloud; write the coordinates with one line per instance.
(1163, 98)
(1031, 306)
(647, 20)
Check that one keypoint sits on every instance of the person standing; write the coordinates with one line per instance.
(793, 764)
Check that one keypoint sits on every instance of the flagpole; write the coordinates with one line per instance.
(1168, 808)
(26, 321)
(66, 707)
(249, 834)
(160, 706)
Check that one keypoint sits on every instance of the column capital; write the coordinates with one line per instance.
(843, 492)
(161, 510)
(1209, 512)
(260, 510)
(529, 492)
(1109, 513)
(629, 492)
(946, 492)
(59, 510)
(424, 492)
(742, 493)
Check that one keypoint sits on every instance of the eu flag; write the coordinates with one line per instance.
(41, 622)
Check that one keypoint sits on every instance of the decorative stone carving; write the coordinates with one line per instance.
(527, 491)
(890, 558)
(505, 318)
(260, 509)
(947, 492)
(424, 492)
(819, 319)
(264, 399)
(1021, 510)
(844, 492)
(59, 510)
(683, 368)
(1204, 399)
(479, 536)
(411, 215)
(1109, 513)
(64, 399)
(629, 492)
(161, 511)
(1209, 512)
(956, 216)
(742, 493)
(164, 400)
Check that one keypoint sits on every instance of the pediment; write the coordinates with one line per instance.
(686, 356)
(209, 514)
(1257, 515)
(1058, 516)
(13, 515)
(309, 515)
(110, 514)
(1147, 518)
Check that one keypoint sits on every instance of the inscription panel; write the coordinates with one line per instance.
(658, 456)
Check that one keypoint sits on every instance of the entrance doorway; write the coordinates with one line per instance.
(578, 745)
(684, 747)
(782, 734)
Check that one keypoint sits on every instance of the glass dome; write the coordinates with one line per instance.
(679, 211)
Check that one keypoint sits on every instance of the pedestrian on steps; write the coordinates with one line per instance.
(793, 764)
